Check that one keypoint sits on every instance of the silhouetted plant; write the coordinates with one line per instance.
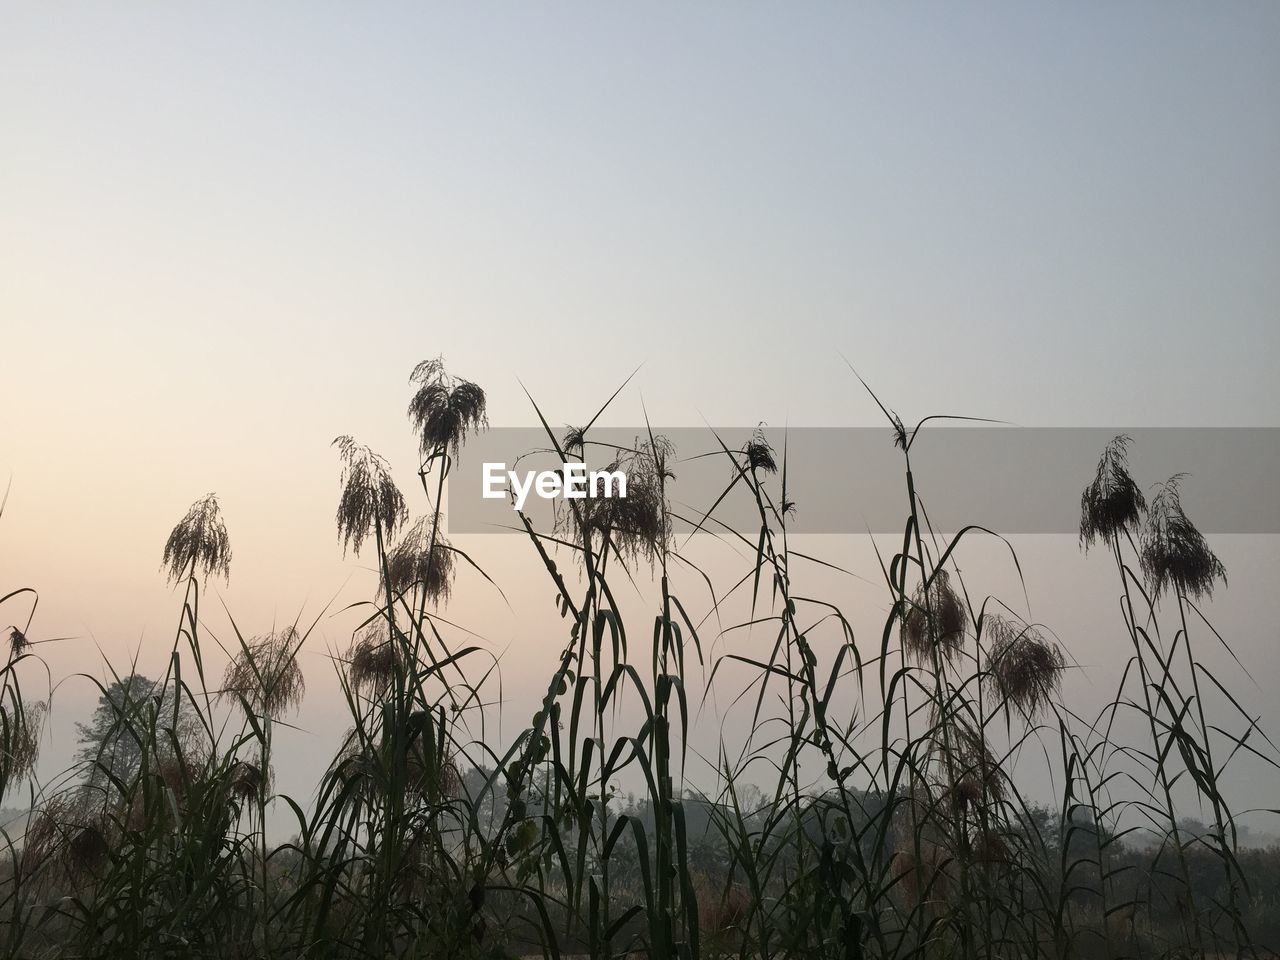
(373, 660)
(908, 837)
(758, 453)
(246, 780)
(199, 543)
(979, 776)
(67, 839)
(1112, 503)
(416, 561)
(21, 741)
(18, 643)
(935, 621)
(635, 526)
(370, 498)
(574, 441)
(444, 409)
(1026, 667)
(265, 673)
(1174, 553)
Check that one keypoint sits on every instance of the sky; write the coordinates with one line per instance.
(227, 233)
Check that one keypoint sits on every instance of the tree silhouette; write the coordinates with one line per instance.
(110, 744)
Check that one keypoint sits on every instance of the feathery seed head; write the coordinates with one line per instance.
(370, 498)
(1025, 665)
(637, 525)
(759, 453)
(18, 642)
(444, 409)
(373, 660)
(1173, 552)
(979, 779)
(22, 739)
(415, 561)
(1112, 503)
(936, 620)
(574, 440)
(67, 838)
(429, 767)
(245, 780)
(266, 673)
(899, 432)
(87, 849)
(199, 543)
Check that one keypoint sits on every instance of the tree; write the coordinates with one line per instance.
(133, 713)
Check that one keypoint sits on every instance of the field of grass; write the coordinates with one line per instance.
(913, 840)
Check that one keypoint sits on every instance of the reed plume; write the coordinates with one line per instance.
(246, 779)
(66, 839)
(22, 738)
(373, 660)
(758, 453)
(1112, 503)
(18, 643)
(637, 525)
(444, 409)
(416, 561)
(370, 498)
(1173, 552)
(1026, 667)
(979, 778)
(936, 620)
(199, 543)
(265, 673)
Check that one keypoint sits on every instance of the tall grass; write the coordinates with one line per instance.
(871, 812)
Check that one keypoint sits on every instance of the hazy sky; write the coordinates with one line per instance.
(228, 231)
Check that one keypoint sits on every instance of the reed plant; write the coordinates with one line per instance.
(872, 808)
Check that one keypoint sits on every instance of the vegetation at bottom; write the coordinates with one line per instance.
(871, 810)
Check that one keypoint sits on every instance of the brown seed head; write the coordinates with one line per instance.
(444, 409)
(1025, 666)
(370, 498)
(415, 561)
(936, 620)
(198, 545)
(1112, 503)
(1174, 553)
(266, 673)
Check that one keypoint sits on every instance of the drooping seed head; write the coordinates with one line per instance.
(415, 561)
(635, 526)
(88, 849)
(18, 643)
(1112, 503)
(198, 545)
(245, 780)
(430, 770)
(979, 779)
(1025, 666)
(374, 659)
(935, 620)
(574, 440)
(67, 839)
(444, 409)
(1173, 552)
(21, 741)
(758, 453)
(265, 673)
(370, 498)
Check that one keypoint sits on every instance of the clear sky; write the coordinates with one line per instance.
(227, 232)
